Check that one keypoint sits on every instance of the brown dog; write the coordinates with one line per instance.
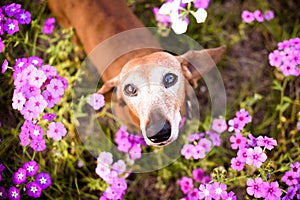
(141, 73)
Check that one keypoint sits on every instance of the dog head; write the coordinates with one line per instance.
(153, 87)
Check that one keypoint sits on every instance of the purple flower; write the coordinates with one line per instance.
(31, 168)
(266, 142)
(219, 125)
(238, 141)
(11, 26)
(14, 193)
(252, 140)
(56, 130)
(290, 178)
(30, 90)
(56, 88)
(186, 184)
(112, 193)
(3, 194)
(201, 3)
(1, 44)
(269, 15)
(24, 17)
(248, 16)
(236, 164)
(105, 158)
(295, 168)
(33, 190)
(96, 101)
(256, 187)
(37, 103)
(258, 16)
(194, 137)
(12, 9)
(135, 152)
(4, 66)
(49, 26)
(256, 157)
(19, 176)
(38, 144)
(198, 175)
(43, 179)
(49, 116)
(290, 194)
(205, 191)
(272, 190)
(230, 196)
(193, 195)
(2, 168)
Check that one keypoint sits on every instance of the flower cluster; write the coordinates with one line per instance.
(129, 143)
(187, 184)
(10, 17)
(257, 15)
(96, 101)
(23, 178)
(37, 87)
(113, 174)
(287, 57)
(49, 26)
(174, 13)
(261, 189)
(199, 145)
(292, 179)
(251, 151)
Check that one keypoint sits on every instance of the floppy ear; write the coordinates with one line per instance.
(109, 85)
(197, 63)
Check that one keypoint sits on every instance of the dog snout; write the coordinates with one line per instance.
(158, 129)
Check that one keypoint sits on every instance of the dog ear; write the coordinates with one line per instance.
(197, 63)
(109, 85)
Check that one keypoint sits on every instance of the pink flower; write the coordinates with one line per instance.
(193, 195)
(135, 152)
(198, 174)
(218, 190)
(199, 152)
(295, 168)
(256, 187)
(186, 184)
(56, 87)
(188, 150)
(247, 16)
(49, 26)
(258, 16)
(238, 141)
(267, 142)
(290, 178)
(96, 101)
(275, 58)
(255, 157)
(205, 191)
(18, 101)
(219, 125)
(56, 130)
(269, 15)
(243, 116)
(119, 166)
(236, 164)
(235, 125)
(37, 78)
(242, 155)
(4, 66)
(206, 144)
(105, 158)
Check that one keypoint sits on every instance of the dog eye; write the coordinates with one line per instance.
(130, 90)
(169, 79)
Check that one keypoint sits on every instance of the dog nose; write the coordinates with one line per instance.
(158, 132)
